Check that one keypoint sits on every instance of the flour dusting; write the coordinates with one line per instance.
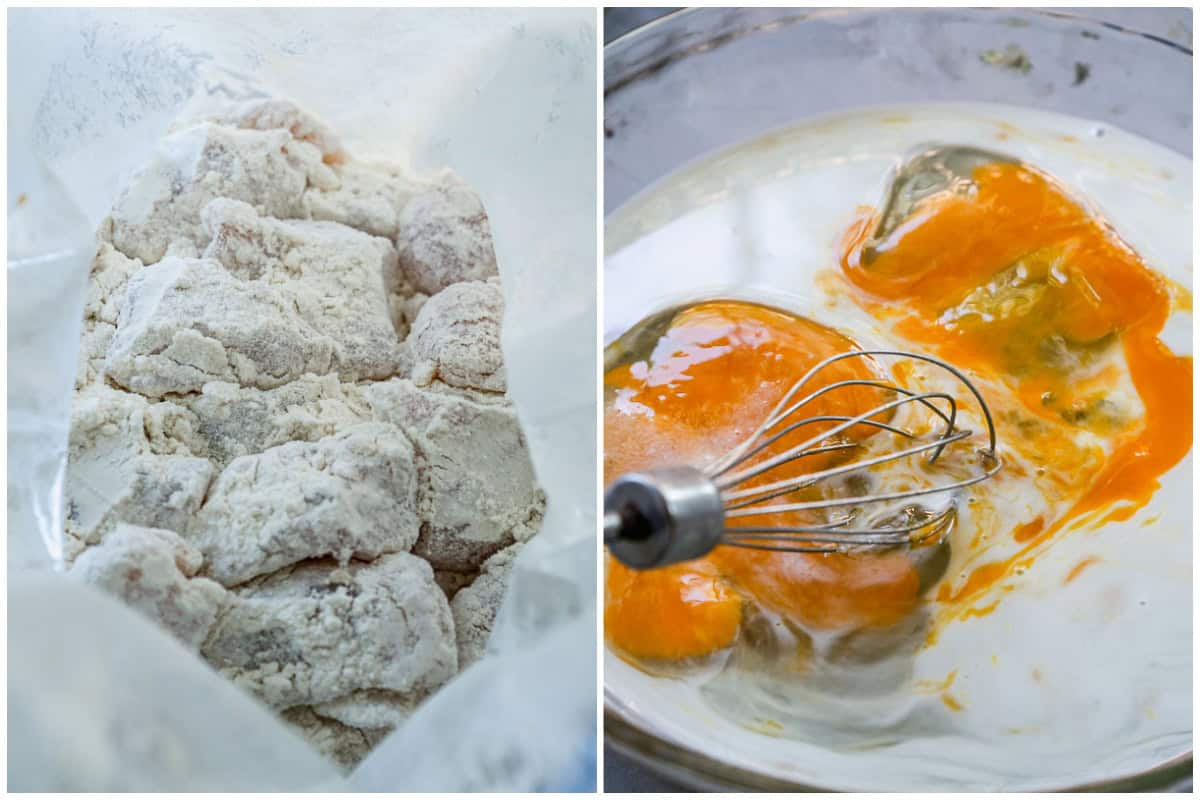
(290, 443)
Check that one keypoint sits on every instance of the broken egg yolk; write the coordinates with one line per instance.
(1016, 281)
(716, 372)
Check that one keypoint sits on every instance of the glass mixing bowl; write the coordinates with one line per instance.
(700, 80)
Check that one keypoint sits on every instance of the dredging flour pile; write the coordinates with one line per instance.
(290, 439)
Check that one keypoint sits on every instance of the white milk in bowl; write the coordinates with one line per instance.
(1071, 662)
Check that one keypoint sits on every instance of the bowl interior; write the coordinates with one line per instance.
(699, 81)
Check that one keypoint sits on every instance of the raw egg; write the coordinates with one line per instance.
(1017, 281)
(1013, 281)
(713, 374)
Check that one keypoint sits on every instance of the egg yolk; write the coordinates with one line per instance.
(1017, 281)
(715, 374)
(671, 614)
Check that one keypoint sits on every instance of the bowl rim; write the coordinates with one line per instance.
(805, 14)
(707, 773)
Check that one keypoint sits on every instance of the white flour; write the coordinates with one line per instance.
(290, 441)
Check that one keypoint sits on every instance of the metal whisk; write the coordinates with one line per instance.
(664, 516)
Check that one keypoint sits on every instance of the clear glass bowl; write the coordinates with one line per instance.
(702, 79)
(699, 80)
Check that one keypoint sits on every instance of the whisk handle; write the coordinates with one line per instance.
(661, 517)
(612, 526)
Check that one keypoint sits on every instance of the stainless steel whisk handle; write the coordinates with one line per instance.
(662, 516)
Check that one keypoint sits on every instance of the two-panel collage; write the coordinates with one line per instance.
(598, 399)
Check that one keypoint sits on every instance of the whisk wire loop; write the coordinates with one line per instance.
(691, 510)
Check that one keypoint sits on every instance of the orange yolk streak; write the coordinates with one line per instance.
(716, 373)
(948, 280)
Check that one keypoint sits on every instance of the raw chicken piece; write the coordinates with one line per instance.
(475, 606)
(314, 633)
(336, 278)
(121, 467)
(444, 237)
(154, 571)
(234, 420)
(477, 488)
(353, 495)
(369, 197)
(456, 337)
(191, 166)
(187, 322)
